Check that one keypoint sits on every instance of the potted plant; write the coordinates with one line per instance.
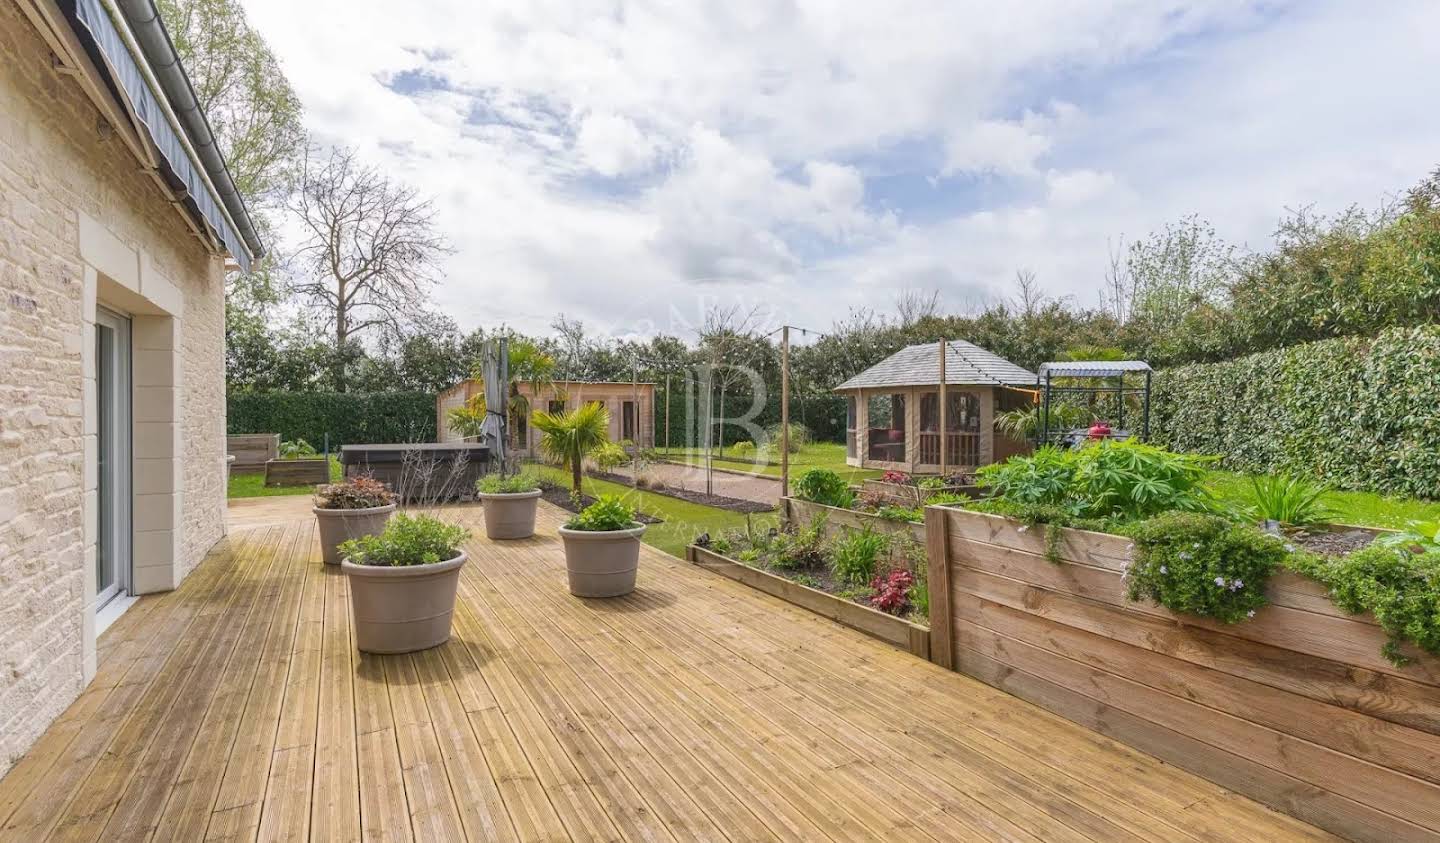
(602, 548)
(403, 582)
(357, 507)
(509, 504)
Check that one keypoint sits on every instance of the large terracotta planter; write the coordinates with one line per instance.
(509, 515)
(341, 525)
(402, 609)
(602, 563)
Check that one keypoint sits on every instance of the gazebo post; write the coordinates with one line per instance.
(944, 431)
(1145, 422)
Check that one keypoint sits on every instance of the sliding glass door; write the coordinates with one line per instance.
(112, 393)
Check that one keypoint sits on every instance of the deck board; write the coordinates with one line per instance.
(236, 707)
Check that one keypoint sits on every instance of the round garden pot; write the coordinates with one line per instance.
(402, 609)
(602, 563)
(509, 515)
(341, 525)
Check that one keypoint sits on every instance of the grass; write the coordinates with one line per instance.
(251, 484)
(829, 455)
(683, 521)
(1362, 509)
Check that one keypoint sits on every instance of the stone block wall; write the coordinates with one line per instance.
(61, 170)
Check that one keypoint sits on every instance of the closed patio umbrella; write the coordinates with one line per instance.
(492, 429)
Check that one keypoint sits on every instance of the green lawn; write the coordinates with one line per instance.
(251, 484)
(683, 521)
(829, 455)
(1362, 509)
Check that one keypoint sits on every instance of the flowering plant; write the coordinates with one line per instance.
(897, 477)
(1202, 565)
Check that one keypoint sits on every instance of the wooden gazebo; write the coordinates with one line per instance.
(893, 409)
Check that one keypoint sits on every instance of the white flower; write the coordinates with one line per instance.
(1290, 547)
(1022, 528)
(1250, 614)
(1164, 570)
(1185, 554)
(1220, 581)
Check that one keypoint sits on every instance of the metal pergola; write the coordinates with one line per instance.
(1106, 378)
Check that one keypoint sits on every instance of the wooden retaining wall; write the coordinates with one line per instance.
(892, 630)
(1295, 708)
(801, 513)
(252, 450)
(303, 472)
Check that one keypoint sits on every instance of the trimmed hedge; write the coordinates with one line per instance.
(1357, 413)
(351, 418)
(823, 416)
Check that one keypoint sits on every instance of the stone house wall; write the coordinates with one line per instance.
(81, 225)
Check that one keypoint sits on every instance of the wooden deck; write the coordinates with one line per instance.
(695, 709)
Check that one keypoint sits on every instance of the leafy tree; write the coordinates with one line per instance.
(253, 111)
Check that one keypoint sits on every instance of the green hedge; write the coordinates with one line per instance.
(1357, 413)
(349, 418)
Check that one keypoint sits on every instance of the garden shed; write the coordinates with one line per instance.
(631, 406)
(892, 409)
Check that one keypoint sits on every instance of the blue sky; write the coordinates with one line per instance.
(632, 163)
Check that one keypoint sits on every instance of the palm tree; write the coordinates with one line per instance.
(569, 435)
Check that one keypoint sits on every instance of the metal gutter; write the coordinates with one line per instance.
(154, 42)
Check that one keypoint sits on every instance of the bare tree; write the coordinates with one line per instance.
(370, 251)
(913, 305)
(1029, 297)
(1119, 290)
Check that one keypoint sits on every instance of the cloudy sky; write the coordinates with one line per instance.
(628, 163)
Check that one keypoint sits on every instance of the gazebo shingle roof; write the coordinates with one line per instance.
(919, 365)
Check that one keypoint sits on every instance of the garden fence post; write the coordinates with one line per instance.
(937, 558)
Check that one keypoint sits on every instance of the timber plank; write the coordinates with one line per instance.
(1234, 771)
(571, 797)
(285, 813)
(190, 801)
(1327, 636)
(433, 812)
(776, 704)
(384, 806)
(91, 805)
(1121, 784)
(237, 809)
(1377, 694)
(61, 757)
(139, 812)
(1411, 751)
(1370, 786)
(482, 808)
(335, 803)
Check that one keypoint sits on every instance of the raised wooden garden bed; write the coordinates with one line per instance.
(1296, 708)
(305, 472)
(893, 630)
(904, 493)
(801, 513)
(252, 450)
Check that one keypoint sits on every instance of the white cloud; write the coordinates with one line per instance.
(613, 145)
(614, 161)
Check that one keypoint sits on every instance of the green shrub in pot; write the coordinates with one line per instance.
(403, 583)
(602, 548)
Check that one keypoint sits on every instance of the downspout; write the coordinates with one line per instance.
(149, 32)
